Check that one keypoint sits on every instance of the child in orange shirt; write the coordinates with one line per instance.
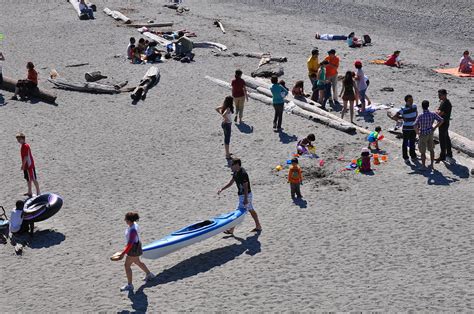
(295, 178)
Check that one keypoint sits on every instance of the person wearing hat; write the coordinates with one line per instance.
(331, 71)
(361, 84)
(28, 165)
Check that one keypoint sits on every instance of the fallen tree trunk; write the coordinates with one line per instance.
(138, 25)
(209, 44)
(158, 39)
(9, 85)
(260, 56)
(458, 141)
(84, 87)
(117, 15)
(150, 79)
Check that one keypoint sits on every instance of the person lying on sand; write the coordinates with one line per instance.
(466, 63)
(394, 60)
(330, 37)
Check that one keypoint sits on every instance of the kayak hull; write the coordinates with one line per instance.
(193, 234)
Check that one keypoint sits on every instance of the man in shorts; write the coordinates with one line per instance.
(241, 179)
(28, 165)
(424, 128)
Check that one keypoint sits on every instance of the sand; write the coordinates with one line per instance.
(395, 241)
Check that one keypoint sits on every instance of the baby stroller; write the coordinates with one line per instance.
(4, 224)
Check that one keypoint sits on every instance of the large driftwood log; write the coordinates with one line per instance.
(84, 87)
(150, 79)
(260, 56)
(94, 76)
(458, 141)
(158, 39)
(117, 15)
(138, 25)
(268, 70)
(9, 85)
(209, 44)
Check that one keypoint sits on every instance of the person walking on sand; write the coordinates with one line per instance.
(424, 128)
(444, 111)
(239, 92)
(349, 94)
(241, 179)
(278, 98)
(133, 250)
(226, 111)
(28, 165)
(331, 71)
(408, 114)
(295, 179)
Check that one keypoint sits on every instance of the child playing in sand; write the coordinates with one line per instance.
(365, 160)
(27, 164)
(130, 47)
(374, 138)
(305, 144)
(394, 60)
(466, 63)
(295, 178)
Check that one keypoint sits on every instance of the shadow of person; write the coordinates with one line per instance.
(302, 203)
(434, 177)
(245, 128)
(285, 138)
(458, 170)
(45, 239)
(2, 100)
(139, 301)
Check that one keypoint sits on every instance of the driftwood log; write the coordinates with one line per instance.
(150, 79)
(138, 25)
(94, 76)
(9, 85)
(158, 39)
(458, 141)
(84, 87)
(268, 70)
(209, 44)
(260, 56)
(219, 24)
(117, 15)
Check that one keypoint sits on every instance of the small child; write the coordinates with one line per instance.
(365, 160)
(394, 60)
(304, 144)
(295, 178)
(374, 138)
(130, 47)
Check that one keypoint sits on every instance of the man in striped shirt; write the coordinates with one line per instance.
(408, 114)
(424, 128)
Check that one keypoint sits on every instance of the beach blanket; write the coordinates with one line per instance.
(377, 61)
(454, 72)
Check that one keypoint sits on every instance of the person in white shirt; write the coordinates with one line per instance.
(17, 225)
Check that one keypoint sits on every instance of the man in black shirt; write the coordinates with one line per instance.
(241, 179)
(444, 111)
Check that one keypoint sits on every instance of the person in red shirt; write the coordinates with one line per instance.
(28, 165)
(26, 88)
(239, 92)
(295, 178)
(331, 71)
(394, 60)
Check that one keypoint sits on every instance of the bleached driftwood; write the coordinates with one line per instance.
(158, 39)
(84, 87)
(260, 56)
(151, 78)
(458, 141)
(9, 85)
(292, 109)
(117, 15)
(219, 24)
(138, 25)
(209, 44)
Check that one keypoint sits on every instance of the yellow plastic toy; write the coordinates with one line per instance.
(278, 168)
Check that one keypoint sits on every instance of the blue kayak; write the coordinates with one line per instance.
(193, 233)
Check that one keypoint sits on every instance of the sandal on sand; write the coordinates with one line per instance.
(256, 230)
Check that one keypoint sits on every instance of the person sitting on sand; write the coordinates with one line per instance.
(141, 45)
(17, 225)
(175, 34)
(184, 45)
(298, 91)
(305, 144)
(394, 60)
(466, 63)
(130, 47)
(330, 37)
(25, 88)
(136, 56)
(354, 42)
(84, 8)
(151, 53)
(133, 250)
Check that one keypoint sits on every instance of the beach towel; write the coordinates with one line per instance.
(454, 72)
(377, 61)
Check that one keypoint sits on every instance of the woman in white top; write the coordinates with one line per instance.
(133, 250)
(226, 111)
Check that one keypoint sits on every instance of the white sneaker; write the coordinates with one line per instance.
(149, 277)
(127, 287)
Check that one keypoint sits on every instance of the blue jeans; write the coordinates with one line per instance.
(227, 127)
(89, 12)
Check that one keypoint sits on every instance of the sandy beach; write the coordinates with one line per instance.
(397, 240)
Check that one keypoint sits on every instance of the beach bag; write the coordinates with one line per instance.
(367, 39)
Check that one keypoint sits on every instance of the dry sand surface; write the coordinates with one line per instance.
(395, 241)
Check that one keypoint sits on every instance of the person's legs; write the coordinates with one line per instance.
(443, 141)
(449, 151)
(275, 116)
(241, 110)
(344, 109)
(327, 92)
(362, 99)
(412, 141)
(351, 108)
(298, 191)
(423, 139)
(293, 190)
(405, 144)
(322, 98)
(142, 265)
(334, 87)
(254, 215)
(227, 127)
(128, 268)
(280, 115)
